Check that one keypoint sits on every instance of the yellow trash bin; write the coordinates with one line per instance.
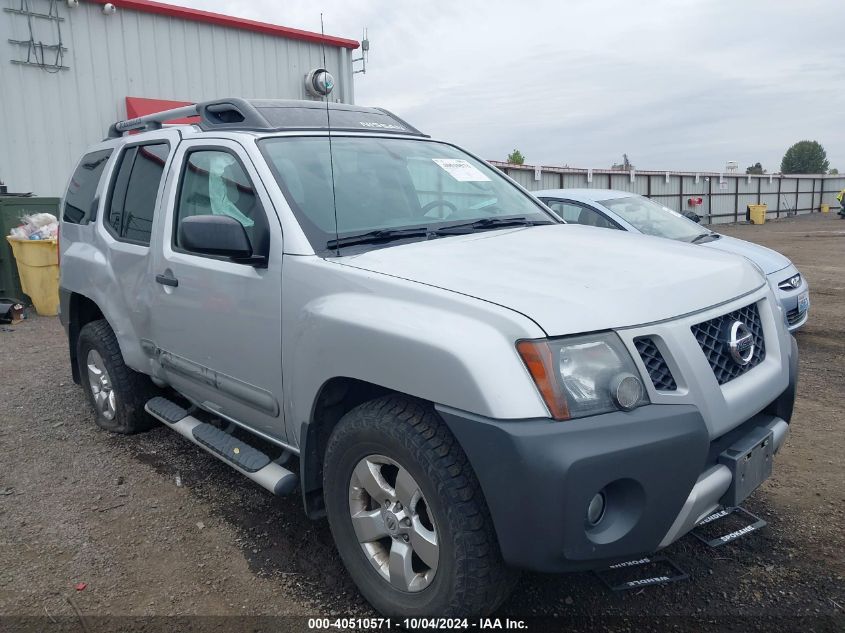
(38, 267)
(757, 213)
(825, 208)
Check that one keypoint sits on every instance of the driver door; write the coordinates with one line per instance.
(216, 323)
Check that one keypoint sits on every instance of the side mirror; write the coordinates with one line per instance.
(215, 235)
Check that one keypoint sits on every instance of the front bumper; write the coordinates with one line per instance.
(657, 466)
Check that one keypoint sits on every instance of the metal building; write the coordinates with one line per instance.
(69, 68)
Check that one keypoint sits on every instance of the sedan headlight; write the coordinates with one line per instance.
(586, 375)
(790, 284)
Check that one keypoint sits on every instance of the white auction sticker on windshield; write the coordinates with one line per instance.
(461, 170)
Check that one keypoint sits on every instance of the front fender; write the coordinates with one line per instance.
(414, 339)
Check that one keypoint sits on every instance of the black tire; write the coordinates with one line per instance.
(471, 579)
(131, 389)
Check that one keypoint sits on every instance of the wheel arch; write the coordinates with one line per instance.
(336, 397)
(80, 311)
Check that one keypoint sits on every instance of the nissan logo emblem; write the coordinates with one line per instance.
(740, 343)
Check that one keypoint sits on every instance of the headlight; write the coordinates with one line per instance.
(790, 284)
(585, 375)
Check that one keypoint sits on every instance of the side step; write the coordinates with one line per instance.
(246, 459)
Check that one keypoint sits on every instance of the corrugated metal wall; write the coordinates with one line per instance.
(725, 196)
(49, 116)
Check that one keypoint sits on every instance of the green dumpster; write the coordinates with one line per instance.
(11, 210)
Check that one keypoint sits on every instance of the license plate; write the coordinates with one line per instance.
(803, 302)
(750, 463)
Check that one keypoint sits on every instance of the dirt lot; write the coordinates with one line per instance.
(156, 527)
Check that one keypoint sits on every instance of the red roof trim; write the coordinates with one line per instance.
(197, 15)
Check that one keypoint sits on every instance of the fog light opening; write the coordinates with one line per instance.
(595, 509)
(627, 391)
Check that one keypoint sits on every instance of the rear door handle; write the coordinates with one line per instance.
(166, 280)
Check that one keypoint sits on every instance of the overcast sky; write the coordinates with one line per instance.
(677, 84)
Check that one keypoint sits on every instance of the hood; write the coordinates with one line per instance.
(570, 278)
(767, 259)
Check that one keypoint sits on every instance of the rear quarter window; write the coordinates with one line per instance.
(132, 203)
(81, 198)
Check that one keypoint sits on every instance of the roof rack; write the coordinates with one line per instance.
(151, 121)
(273, 115)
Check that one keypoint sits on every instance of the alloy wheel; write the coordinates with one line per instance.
(392, 522)
(101, 385)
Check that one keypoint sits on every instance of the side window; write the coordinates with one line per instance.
(565, 210)
(215, 183)
(580, 214)
(133, 197)
(80, 200)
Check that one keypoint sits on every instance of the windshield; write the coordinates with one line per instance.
(385, 184)
(654, 219)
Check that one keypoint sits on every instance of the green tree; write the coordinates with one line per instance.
(516, 157)
(756, 168)
(805, 157)
(833, 171)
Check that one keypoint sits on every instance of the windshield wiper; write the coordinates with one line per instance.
(382, 236)
(701, 236)
(378, 236)
(485, 224)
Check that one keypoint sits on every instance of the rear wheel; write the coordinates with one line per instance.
(408, 515)
(116, 392)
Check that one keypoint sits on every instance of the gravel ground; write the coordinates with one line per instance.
(155, 527)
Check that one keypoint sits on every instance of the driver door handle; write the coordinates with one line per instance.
(166, 280)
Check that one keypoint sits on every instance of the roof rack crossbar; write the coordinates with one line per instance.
(152, 121)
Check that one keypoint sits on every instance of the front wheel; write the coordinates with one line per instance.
(408, 515)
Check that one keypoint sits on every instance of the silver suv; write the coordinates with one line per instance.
(328, 300)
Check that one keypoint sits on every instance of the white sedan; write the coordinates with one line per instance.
(626, 211)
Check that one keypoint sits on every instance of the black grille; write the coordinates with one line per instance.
(712, 336)
(793, 316)
(656, 365)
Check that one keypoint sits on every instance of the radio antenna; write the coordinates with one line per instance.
(331, 153)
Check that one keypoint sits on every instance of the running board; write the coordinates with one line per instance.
(246, 459)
